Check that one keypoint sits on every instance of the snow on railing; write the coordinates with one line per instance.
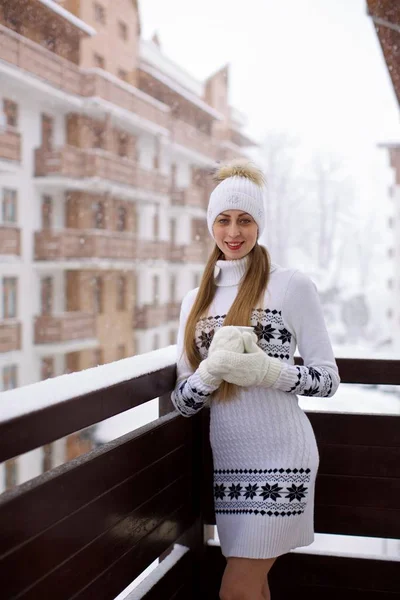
(43, 394)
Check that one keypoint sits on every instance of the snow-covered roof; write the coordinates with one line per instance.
(62, 12)
(182, 91)
(151, 54)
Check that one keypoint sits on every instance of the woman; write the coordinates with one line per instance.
(264, 449)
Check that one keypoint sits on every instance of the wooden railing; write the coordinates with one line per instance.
(88, 528)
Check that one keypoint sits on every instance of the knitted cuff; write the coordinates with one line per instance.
(206, 377)
(273, 372)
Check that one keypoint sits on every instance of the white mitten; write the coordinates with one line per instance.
(254, 368)
(227, 337)
(212, 370)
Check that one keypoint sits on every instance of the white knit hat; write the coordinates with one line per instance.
(241, 187)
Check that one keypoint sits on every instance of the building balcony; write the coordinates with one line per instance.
(10, 335)
(149, 316)
(64, 327)
(110, 513)
(196, 252)
(190, 137)
(82, 244)
(97, 83)
(68, 77)
(67, 244)
(10, 240)
(10, 147)
(38, 61)
(79, 163)
(191, 196)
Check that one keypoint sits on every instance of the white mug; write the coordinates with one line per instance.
(242, 328)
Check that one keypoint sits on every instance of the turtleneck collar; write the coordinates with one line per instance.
(230, 272)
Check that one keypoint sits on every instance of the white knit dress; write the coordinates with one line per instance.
(264, 449)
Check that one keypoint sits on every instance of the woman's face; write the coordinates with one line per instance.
(235, 233)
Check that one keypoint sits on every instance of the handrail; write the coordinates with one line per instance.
(26, 430)
(22, 429)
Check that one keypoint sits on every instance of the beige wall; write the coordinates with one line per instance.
(117, 53)
(79, 213)
(41, 25)
(113, 327)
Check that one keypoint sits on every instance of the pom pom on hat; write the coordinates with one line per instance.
(241, 187)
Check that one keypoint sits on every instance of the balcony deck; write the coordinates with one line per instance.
(107, 515)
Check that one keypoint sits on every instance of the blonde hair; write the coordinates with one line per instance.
(250, 294)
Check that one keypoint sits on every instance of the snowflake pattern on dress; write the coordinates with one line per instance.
(264, 492)
(273, 337)
(275, 340)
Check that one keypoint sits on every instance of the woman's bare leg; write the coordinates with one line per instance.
(265, 591)
(244, 578)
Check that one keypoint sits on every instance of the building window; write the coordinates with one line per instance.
(10, 110)
(47, 212)
(172, 337)
(99, 13)
(98, 295)
(46, 295)
(9, 206)
(98, 137)
(121, 293)
(156, 342)
(99, 61)
(47, 463)
(172, 288)
(122, 74)
(172, 231)
(11, 473)
(47, 367)
(123, 144)
(10, 377)
(98, 357)
(98, 215)
(156, 225)
(123, 30)
(196, 279)
(156, 290)
(121, 351)
(121, 218)
(9, 297)
(47, 132)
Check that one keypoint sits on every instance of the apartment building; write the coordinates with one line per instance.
(106, 147)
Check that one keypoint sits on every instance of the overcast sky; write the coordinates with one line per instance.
(310, 67)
